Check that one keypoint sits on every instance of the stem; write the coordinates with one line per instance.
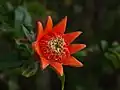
(63, 84)
(62, 78)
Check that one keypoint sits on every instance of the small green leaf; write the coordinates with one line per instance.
(117, 48)
(104, 44)
(93, 48)
(21, 17)
(114, 57)
(30, 36)
(9, 6)
(29, 69)
(81, 53)
(115, 43)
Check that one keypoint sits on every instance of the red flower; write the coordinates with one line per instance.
(54, 48)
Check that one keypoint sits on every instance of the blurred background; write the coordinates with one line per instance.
(99, 20)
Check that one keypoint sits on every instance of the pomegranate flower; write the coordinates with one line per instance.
(54, 48)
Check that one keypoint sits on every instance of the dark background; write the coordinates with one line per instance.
(99, 20)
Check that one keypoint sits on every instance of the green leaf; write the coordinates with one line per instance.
(81, 53)
(117, 48)
(19, 16)
(62, 78)
(22, 16)
(93, 48)
(13, 82)
(29, 69)
(104, 44)
(23, 46)
(30, 35)
(9, 6)
(114, 44)
(114, 57)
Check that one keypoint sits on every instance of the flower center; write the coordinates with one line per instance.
(57, 45)
(53, 47)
